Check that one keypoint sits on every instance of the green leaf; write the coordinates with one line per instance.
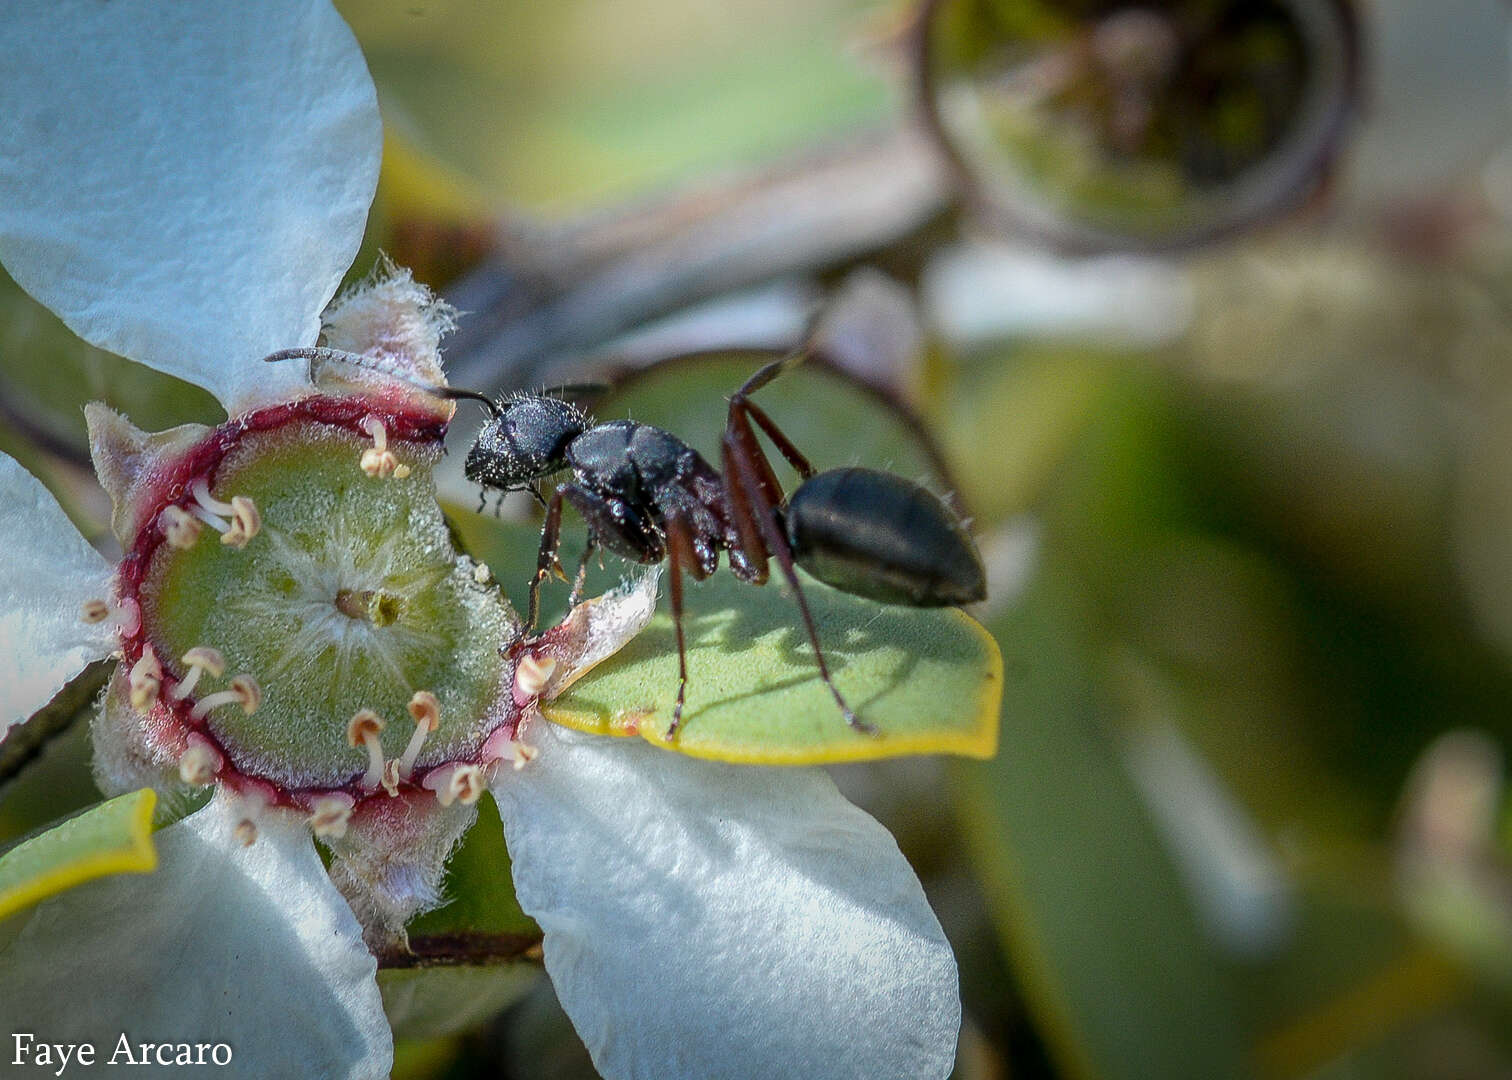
(558, 108)
(114, 837)
(473, 956)
(929, 681)
(429, 1003)
(1091, 909)
(831, 417)
(479, 890)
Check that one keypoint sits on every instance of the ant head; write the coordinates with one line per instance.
(525, 440)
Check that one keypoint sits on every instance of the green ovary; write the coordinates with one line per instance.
(351, 597)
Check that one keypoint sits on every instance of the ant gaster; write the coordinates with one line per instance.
(648, 496)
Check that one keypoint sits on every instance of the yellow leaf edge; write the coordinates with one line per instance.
(139, 856)
(978, 740)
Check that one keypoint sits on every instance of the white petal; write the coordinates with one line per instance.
(47, 572)
(185, 184)
(250, 946)
(719, 920)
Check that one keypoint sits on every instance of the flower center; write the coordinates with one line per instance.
(368, 649)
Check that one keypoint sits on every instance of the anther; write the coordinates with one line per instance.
(467, 781)
(246, 522)
(426, 710)
(94, 611)
(456, 783)
(391, 779)
(200, 659)
(363, 731)
(532, 673)
(246, 832)
(146, 680)
(244, 691)
(200, 762)
(329, 816)
(522, 754)
(180, 527)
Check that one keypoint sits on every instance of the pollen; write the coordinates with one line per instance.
(329, 816)
(200, 762)
(200, 660)
(244, 691)
(482, 574)
(363, 730)
(246, 832)
(146, 680)
(94, 611)
(426, 710)
(532, 674)
(180, 528)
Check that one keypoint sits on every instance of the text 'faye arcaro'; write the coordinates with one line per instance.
(59, 1056)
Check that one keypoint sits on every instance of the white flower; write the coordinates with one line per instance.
(185, 185)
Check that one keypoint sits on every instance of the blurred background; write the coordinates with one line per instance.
(1201, 308)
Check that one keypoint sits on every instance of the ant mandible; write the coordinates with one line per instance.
(647, 496)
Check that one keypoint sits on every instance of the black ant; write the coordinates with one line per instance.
(646, 495)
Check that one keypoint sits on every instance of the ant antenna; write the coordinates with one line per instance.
(319, 354)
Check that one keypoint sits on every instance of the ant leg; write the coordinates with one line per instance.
(546, 558)
(768, 372)
(743, 411)
(766, 521)
(482, 499)
(679, 555)
(582, 574)
(748, 538)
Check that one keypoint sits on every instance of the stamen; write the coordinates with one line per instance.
(199, 659)
(180, 527)
(200, 762)
(329, 816)
(94, 611)
(246, 832)
(522, 754)
(244, 691)
(246, 522)
(391, 778)
(374, 427)
(468, 783)
(200, 489)
(426, 710)
(146, 680)
(363, 731)
(452, 783)
(216, 522)
(378, 459)
(131, 616)
(532, 673)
